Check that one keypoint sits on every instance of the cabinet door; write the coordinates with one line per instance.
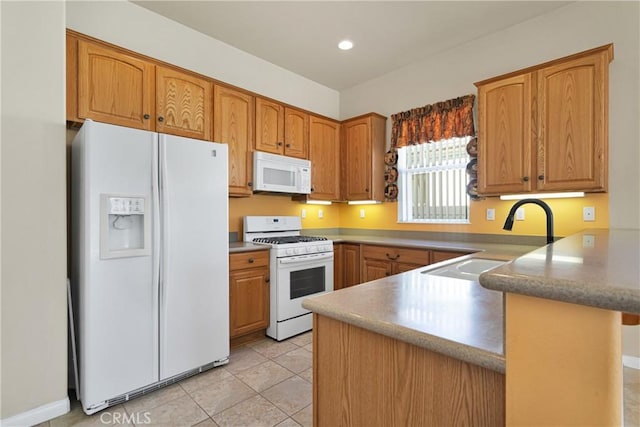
(248, 301)
(437, 256)
(504, 137)
(338, 266)
(233, 125)
(296, 133)
(269, 126)
(357, 159)
(572, 143)
(184, 104)
(373, 269)
(401, 267)
(114, 87)
(324, 154)
(351, 264)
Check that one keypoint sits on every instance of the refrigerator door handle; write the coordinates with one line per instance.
(164, 241)
(156, 245)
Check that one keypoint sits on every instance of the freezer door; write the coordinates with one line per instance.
(194, 286)
(116, 299)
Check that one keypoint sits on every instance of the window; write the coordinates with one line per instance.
(432, 182)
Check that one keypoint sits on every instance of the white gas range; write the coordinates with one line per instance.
(300, 266)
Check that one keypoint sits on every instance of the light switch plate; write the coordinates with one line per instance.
(303, 213)
(361, 213)
(320, 213)
(589, 213)
(520, 214)
(491, 214)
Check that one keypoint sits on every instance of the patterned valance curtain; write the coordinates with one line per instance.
(443, 120)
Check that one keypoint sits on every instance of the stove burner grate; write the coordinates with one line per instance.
(288, 239)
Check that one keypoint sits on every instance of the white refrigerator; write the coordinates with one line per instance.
(149, 260)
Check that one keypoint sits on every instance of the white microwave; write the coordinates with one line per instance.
(281, 174)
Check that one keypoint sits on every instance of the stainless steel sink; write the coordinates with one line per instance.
(468, 269)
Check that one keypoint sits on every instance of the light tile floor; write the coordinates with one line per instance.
(266, 383)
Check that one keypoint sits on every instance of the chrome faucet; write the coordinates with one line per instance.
(508, 224)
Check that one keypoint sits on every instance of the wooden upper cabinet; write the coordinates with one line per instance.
(505, 138)
(546, 128)
(363, 149)
(269, 126)
(573, 138)
(184, 104)
(233, 125)
(296, 133)
(114, 87)
(324, 154)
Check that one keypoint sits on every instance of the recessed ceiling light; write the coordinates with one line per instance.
(345, 45)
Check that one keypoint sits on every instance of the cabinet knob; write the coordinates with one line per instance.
(279, 144)
(540, 177)
(288, 146)
(251, 260)
(387, 273)
(525, 179)
(267, 280)
(146, 116)
(249, 184)
(312, 189)
(366, 189)
(161, 119)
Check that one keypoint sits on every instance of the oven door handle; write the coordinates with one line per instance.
(305, 258)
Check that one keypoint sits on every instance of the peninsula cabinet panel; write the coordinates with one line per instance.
(184, 104)
(233, 125)
(269, 126)
(324, 154)
(296, 133)
(546, 128)
(363, 148)
(361, 378)
(114, 87)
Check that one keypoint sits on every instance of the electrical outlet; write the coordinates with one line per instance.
(589, 213)
(520, 214)
(491, 214)
(303, 213)
(320, 213)
(588, 241)
(361, 213)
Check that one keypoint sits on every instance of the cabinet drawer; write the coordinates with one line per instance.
(392, 253)
(242, 260)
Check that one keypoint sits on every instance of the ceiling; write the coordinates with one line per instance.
(302, 36)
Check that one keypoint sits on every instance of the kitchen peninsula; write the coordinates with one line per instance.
(421, 349)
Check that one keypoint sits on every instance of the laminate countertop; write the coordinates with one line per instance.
(598, 268)
(464, 319)
(236, 247)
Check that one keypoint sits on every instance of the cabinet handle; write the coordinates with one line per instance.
(525, 179)
(312, 189)
(393, 258)
(366, 189)
(386, 273)
(161, 119)
(279, 144)
(288, 145)
(249, 184)
(267, 280)
(251, 260)
(540, 177)
(146, 116)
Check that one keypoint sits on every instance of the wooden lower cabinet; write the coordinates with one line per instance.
(248, 292)
(362, 378)
(346, 265)
(437, 256)
(383, 261)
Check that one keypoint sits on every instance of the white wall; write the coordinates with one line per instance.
(33, 222)
(571, 29)
(133, 27)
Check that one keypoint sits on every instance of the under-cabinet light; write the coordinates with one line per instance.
(364, 202)
(345, 45)
(542, 196)
(318, 202)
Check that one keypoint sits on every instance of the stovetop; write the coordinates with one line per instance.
(279, 240)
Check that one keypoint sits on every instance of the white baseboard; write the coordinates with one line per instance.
(631, 362)
(37, 415)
